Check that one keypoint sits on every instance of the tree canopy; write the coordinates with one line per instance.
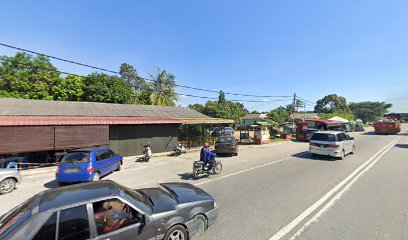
(369, 111)
(34, 77)
(221, 109)
(281, 114)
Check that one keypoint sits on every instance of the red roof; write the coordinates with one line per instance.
(72, 120)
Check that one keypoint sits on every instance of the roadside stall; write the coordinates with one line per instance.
(261, 133)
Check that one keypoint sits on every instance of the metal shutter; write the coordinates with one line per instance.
(69, 137)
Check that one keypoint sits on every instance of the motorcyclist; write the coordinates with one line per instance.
(206, 156)
(148, 151)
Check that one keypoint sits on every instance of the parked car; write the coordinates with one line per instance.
(359, 128)
(345, 128)
(226, 145)
(9, 178)
(107, 210)
(306, 134)
(228, 131)
(330, 143)
(87, 165)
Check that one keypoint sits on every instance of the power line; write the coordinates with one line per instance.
(146, 88)
(305, 100)
(116, 72)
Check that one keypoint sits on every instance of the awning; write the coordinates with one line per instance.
(71, 120)
(206, 121)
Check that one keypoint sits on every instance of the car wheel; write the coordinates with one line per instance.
(353, 149)
(119, 166)
(7, 185)
(177, 232)
(96, 177)
(202, 224)
(195, 174)
(236, 154)
(343, 155)
(61, 184)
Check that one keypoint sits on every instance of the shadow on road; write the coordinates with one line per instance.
(369, 133)
(186, 176)
(401, 145)
(51, 184)
(307, 155)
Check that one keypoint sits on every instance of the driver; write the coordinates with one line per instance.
(206, 156)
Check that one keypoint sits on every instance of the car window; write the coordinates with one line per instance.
(226, 139)
(341, 137)
(100, 155)
(347, 137)
(110, 153)
(113, 214)
(77, 157)
(73, 224)
(324, 137)
(15, 217)
(48, 230)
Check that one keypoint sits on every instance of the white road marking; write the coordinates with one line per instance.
(243, 171)
(339, 195)
(289, 227)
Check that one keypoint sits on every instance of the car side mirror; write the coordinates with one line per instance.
(351, 138)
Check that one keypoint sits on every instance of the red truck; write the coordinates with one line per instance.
(387, 127)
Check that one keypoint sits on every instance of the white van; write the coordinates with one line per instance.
(332, 143)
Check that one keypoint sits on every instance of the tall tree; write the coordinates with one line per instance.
(221, 97)
(100, 87)
(332, 103)
(281, 114)
(25, 76)
(163, 85)
(369, 111)
(70, 88)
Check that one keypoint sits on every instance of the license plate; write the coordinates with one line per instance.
(72, 170)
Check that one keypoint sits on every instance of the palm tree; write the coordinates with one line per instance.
(163, 89)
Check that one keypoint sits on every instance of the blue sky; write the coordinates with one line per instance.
(356, 49)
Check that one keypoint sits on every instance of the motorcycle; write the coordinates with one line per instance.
(199, 168)
(180, 149)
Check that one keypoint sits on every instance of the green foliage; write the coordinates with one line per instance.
(346, 115)
(223, 109)
(163, 85)
(221, 97)
(369, 111)
(100, 87)
(333, 105)
(69, 89)
(25, 76)
(281, 114)
(272, 122)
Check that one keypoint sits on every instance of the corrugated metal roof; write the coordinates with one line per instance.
(73, 120)
(29, 107)
(206, 121)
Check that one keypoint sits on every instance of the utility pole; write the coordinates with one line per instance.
(293, 109)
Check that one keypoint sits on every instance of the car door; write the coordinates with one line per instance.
(101, 164)
(350, 143)
(112, 160)
(116, 219)
(341, 138)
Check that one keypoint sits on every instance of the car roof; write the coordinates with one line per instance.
(88, 149)
(329, 132)
(70, 195)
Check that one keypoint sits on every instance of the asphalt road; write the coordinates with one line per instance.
(279, 191)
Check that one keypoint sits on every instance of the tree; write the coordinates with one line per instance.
(281, 114)
(140, 87)
(70, 88)
(25, 76)
(333, 104)
(369, 111)
(197, 107)
(221, 97)
(100, 87)
(163, 89)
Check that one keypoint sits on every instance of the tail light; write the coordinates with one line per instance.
(332, 146)
(58, 169)
(90, 169)
(313, 144)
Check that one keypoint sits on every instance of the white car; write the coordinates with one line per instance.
(331, 143)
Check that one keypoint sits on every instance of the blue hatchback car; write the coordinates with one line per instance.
(86, 165)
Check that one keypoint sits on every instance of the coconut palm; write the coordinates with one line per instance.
(163, 89)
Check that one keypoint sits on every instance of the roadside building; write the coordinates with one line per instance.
(253, 119)
(42, 128)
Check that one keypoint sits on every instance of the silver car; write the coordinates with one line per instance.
(332, 143)
(8, 179)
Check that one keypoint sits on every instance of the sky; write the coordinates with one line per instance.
(356, 49)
